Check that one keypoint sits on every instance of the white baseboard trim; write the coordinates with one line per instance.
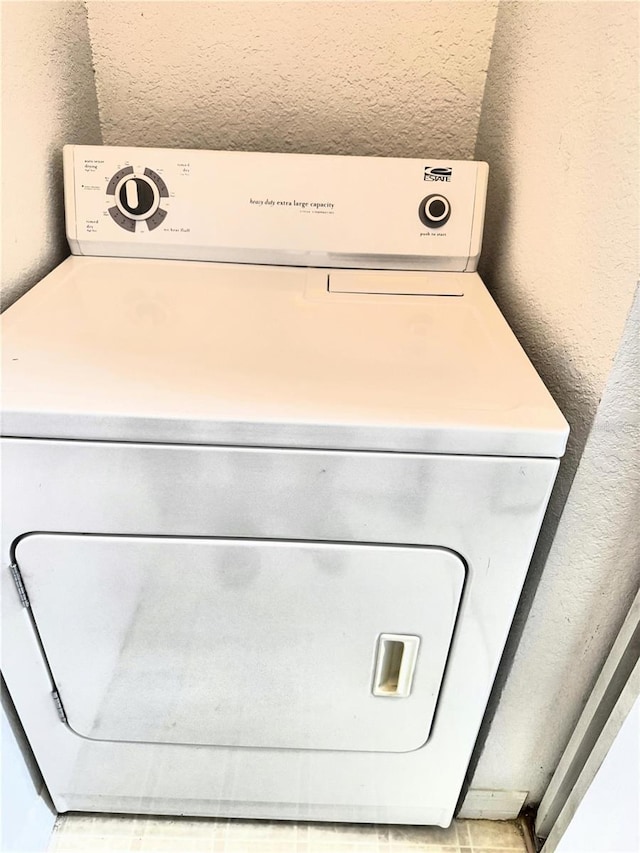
(492, 805)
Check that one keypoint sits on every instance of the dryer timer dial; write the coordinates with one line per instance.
(137, 198)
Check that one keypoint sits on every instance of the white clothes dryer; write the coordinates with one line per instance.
(274, 466)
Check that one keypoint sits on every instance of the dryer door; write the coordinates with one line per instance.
(257, 643)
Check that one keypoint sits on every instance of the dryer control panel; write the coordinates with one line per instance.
(289, 209)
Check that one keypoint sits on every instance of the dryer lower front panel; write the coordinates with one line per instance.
(243, 643)
(277, 531)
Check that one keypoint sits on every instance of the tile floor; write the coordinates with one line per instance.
(88, 833)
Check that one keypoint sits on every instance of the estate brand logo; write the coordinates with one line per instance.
(437, 173)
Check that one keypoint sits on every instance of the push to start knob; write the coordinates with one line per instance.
(434, 211)
(137, 197)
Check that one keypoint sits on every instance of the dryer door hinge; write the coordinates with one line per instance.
(57, 701)
(17, 577)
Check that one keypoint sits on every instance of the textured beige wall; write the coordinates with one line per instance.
(48, 99)
(396, 79)
(559, 127)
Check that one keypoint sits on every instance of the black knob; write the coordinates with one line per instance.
(434, 211)
(136, 196)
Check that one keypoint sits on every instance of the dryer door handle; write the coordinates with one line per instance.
(396, 657)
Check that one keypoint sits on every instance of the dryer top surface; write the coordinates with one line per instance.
(208, 353)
